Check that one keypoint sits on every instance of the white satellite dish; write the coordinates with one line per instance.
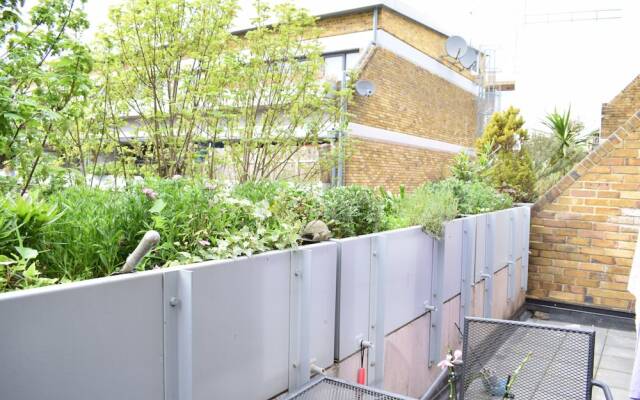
(470, 59)
(365, 88)
(456, 47)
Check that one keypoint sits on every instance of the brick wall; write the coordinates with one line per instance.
(584, 229)
(389, 165)
(350, 23)
(426, 40)
(412, 100)
(618, 110)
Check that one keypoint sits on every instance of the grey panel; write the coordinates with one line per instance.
(502, 241)
(98, 339)
(452, 259)
(407, 282)
(481, 239)
(353, 295)
(241, 327)
(323, 302)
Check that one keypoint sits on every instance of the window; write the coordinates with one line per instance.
(336, 64)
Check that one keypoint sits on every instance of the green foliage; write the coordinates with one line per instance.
(503, 132)
(433, 204)
(429, 206)
(353, 210)
(474, 196)
(19, 271)
(504, 158)
(567, 134)
(44, 72)
(94, 235)
(554, 153)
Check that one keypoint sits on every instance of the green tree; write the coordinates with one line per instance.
(279, 102)
(43, 69)
(510, 168)
(164, 65)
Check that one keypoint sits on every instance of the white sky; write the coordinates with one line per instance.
(582, 64)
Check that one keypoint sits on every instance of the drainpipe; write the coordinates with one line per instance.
(375, 26)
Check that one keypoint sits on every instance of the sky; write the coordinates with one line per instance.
(556, 57)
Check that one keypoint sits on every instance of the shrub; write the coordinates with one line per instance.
(98, 229)
(353, 210)
(508, 164)
(475, 197)
(429, 206)
(512, 173)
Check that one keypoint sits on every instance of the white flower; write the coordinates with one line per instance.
(446, 363)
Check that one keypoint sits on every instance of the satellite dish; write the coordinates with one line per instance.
(365, 88)
(456, 47)
(470, 59)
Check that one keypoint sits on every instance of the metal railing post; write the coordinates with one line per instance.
(375, 376)
(299, 318)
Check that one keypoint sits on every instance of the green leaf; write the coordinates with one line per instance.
(27, 253)
(157, 207)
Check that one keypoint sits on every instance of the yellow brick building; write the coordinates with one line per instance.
(424, 107)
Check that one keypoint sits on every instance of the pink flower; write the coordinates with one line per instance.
(457, 355)
(204, 243)
(150, 193)
(446, 363)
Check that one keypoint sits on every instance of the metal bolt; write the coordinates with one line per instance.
(373, 364)
(294, 365)
(296, 274)
(375, 253)
(174, 301)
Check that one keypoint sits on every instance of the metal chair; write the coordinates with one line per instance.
(325, 388)
(560, 366)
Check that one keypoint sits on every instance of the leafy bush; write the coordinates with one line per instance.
(503, 156)
(353, 210)
(94, 235)
(475, 196)
(429, 206)
(512, 173)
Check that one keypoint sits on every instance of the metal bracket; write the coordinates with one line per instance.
(299, 318)
(375, 375)
(435, 329)
(487, 272)
(468, 263)
(524, 262)
(511, 263)
(178, 334)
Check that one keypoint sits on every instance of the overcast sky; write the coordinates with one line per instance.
(555, 64)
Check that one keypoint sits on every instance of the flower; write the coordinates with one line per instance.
(204, 243)
(150, 193)
(446, 363)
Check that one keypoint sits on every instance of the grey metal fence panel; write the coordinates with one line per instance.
(452, 259)
(323, 302)
(97, 339)
(502, 231)
(407, 280)
(353, 295)
(241, 327)
(481, 247)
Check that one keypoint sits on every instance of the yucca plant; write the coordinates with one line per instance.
(567, 132)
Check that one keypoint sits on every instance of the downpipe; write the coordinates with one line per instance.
(437, 387)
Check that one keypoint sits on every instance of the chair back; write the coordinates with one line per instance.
(560, 366)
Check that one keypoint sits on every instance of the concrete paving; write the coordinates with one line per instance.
(613, 359)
